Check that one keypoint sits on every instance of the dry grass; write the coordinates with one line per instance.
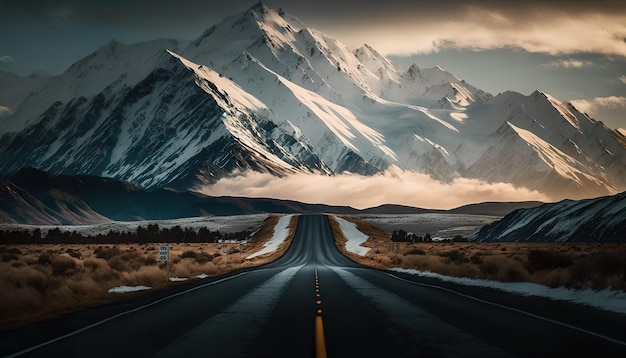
(39, 282)
(577, 265)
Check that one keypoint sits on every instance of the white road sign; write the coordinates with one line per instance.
(164, 253)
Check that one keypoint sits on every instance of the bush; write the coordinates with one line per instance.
(188, 254)
(203, 257)
(415, 251)
(74, 254)
(454, 256)
(503, 269)
(62, 265)
(106, 253)
(91, 264)
(539, 260)
(9, 257)
(44, 259)
(117, 263)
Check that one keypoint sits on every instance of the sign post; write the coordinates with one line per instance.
(164, 256)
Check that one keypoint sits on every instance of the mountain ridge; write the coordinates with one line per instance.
(260, 91)
(590, 220)
(42, 199)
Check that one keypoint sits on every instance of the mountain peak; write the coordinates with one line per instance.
(259, 6)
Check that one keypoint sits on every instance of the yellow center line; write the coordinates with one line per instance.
(320, 343)
(320, 340)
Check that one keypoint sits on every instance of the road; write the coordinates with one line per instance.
(314, 300)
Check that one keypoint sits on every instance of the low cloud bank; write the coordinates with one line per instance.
(392, 187)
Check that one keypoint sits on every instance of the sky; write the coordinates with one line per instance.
(574, 50)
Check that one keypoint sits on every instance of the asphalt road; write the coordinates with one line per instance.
(314, 300)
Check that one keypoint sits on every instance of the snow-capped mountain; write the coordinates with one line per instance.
(591, 220)
(260, 91)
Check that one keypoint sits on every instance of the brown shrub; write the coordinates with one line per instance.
(106, 253)
(539, 260)
(188, 254)
(6, 257)
(63, 265)
(44, 259)
(203, 257)
(502, 268)
(91, 264)
(555, 278)
(415, 251)
(454, 256)
(150, 260)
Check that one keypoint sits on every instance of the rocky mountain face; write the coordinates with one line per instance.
(262, 92)
(591, 220)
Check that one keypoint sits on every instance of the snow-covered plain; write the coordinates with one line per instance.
(437, 225)
(607, 299)
(281, 231)
(224, 224)
(353, 236)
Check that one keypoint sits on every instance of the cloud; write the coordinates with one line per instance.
(595, 105)
(398, 27)
(610, 110)
(392, 187)
(569, 63)
(6, 63)
(622, 79)
(534, 27)
(4, 111)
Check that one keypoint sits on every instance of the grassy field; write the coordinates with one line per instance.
(576, 265)
(39, 282)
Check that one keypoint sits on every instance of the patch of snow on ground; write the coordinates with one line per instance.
(281, 231)
(607, 299)
(202, 276)
(353, 236)
(178, 279)
(126, 289)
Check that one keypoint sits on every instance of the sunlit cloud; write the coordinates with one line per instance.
(611, 102)
(392, 187)
(4, 111)
(600, 105)
(551, 31)
(622, 79)
(569, 63)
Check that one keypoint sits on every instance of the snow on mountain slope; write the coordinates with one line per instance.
(548, 145)
(260, 91)
(599, 219)
(270, 51)
(114, 66)
(181, 120)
